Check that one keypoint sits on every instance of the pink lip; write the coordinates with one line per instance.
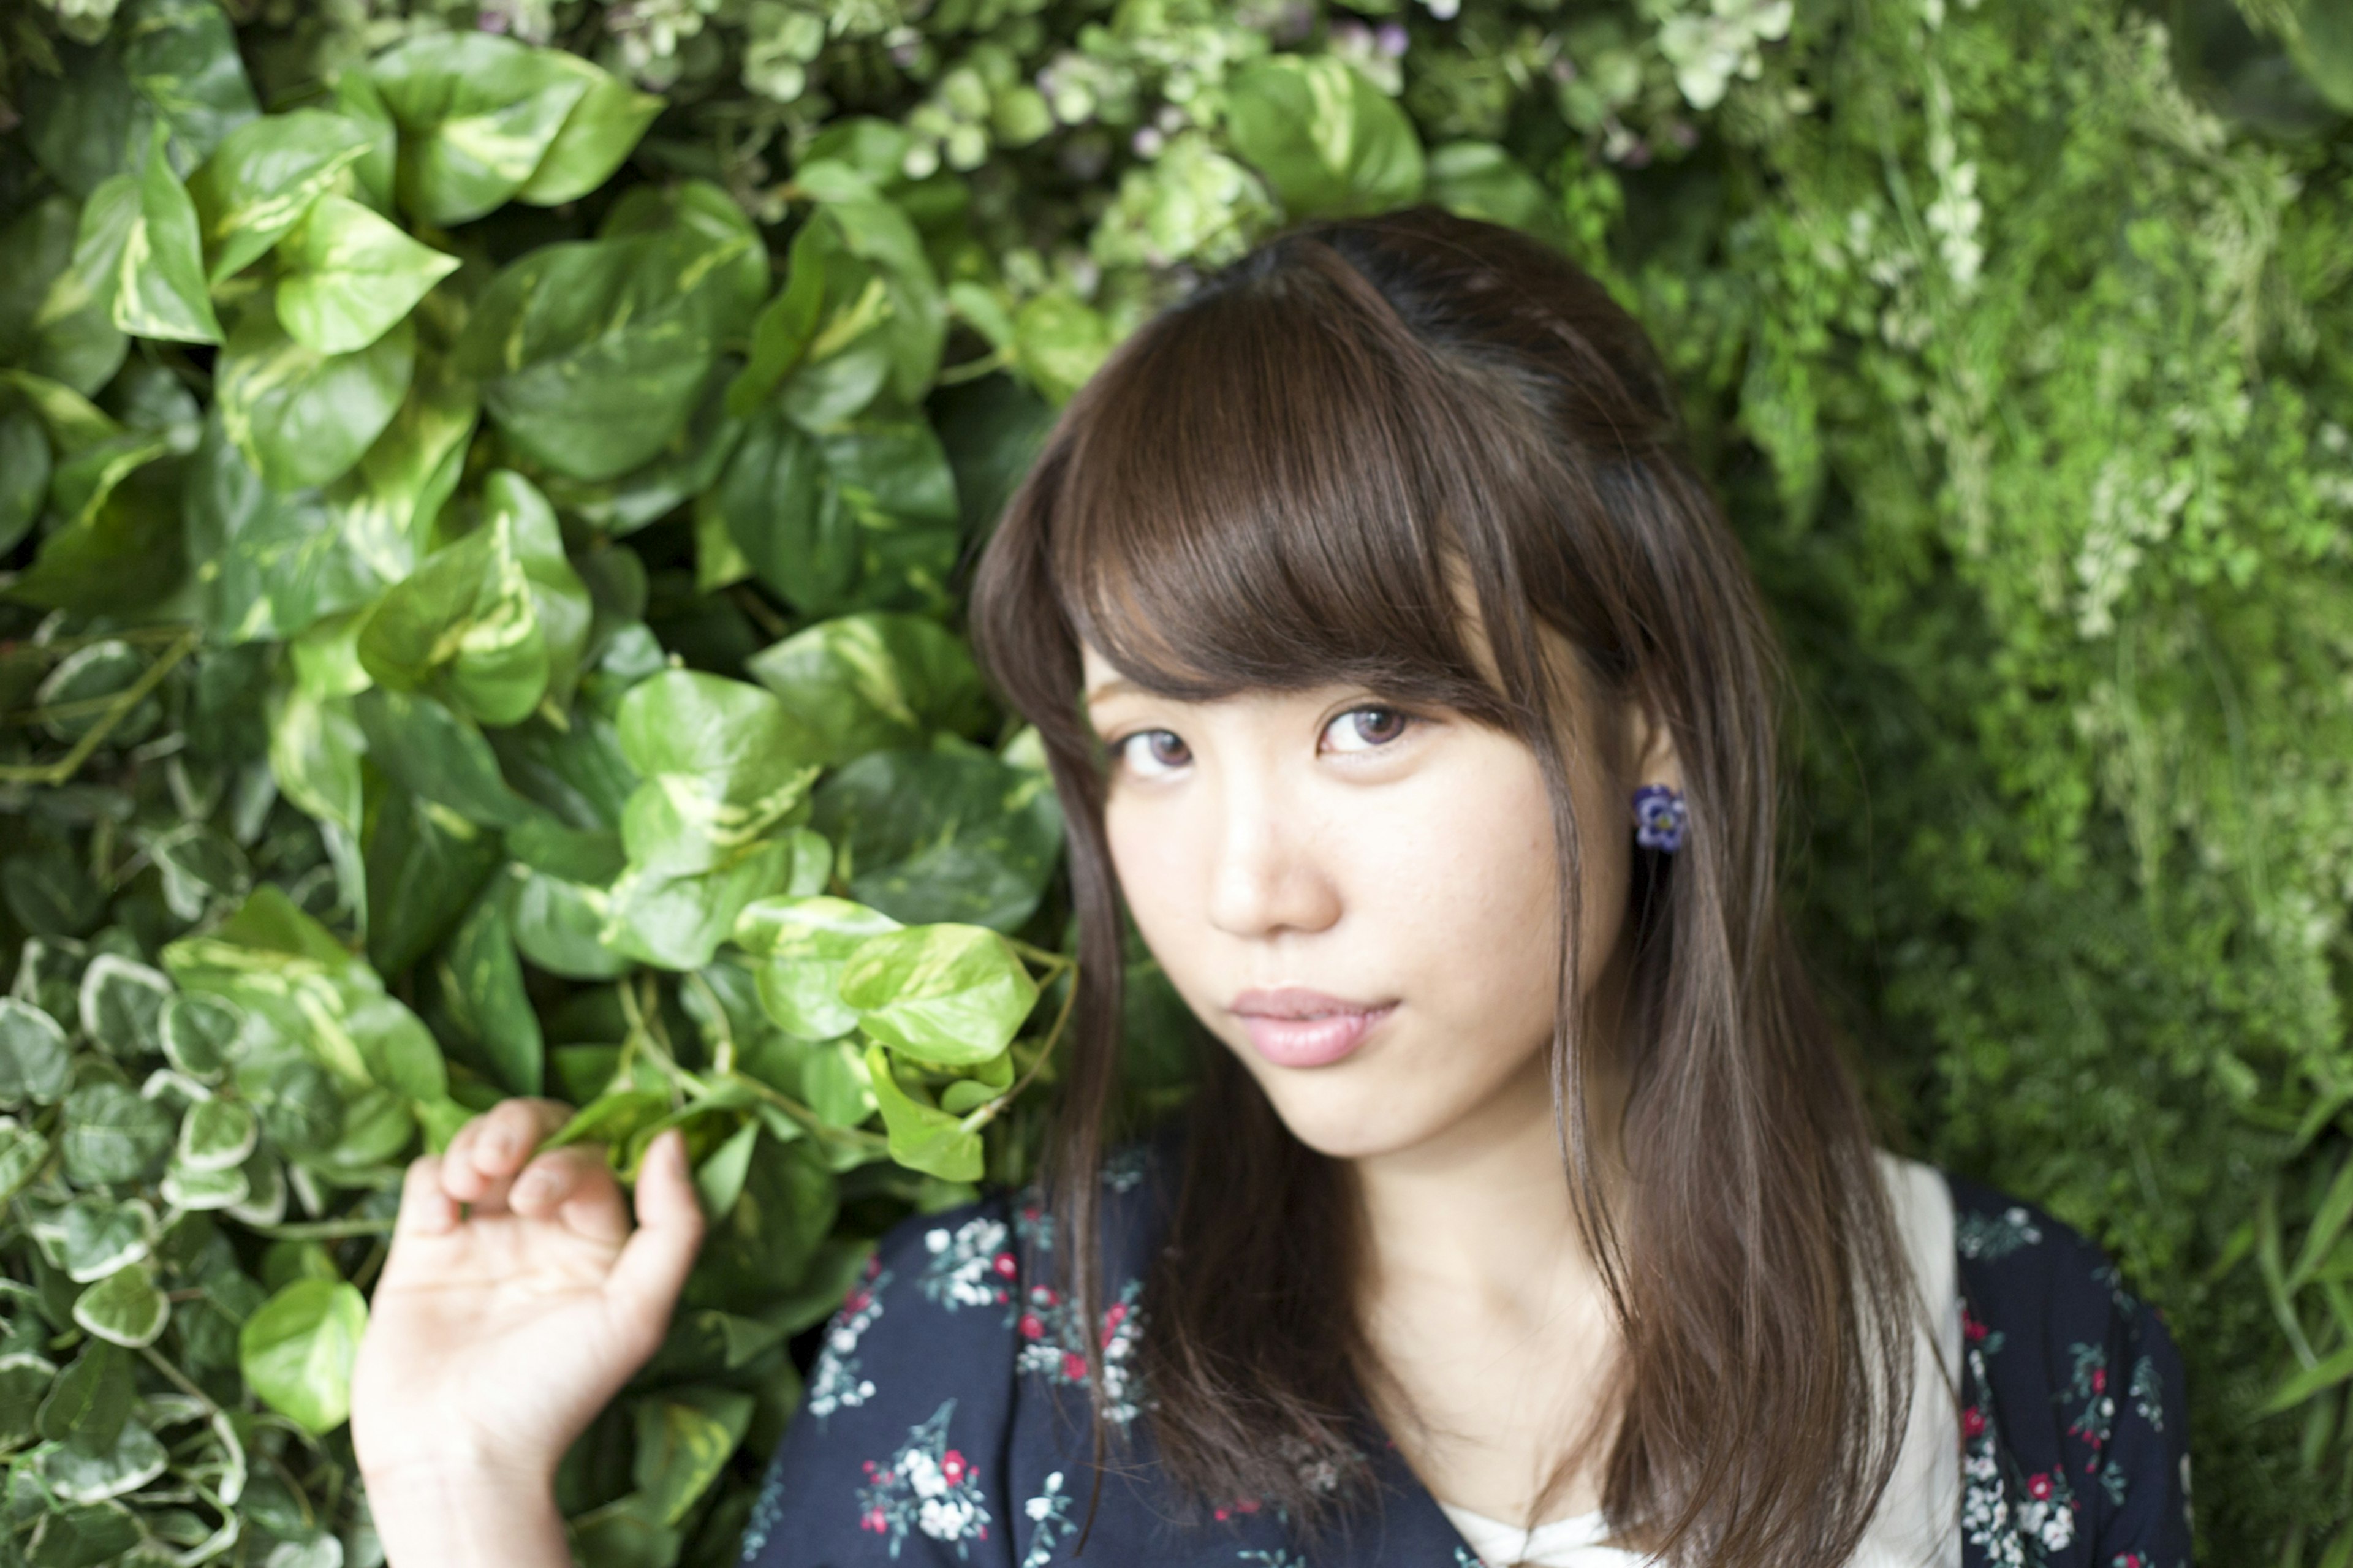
(1295, 1027)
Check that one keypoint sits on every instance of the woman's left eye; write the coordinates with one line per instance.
(1367, 728)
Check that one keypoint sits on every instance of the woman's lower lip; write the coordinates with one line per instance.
(1311, 1042)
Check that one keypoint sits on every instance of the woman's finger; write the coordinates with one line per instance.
(425, 1208)
(492, 1148)
(575, 1188)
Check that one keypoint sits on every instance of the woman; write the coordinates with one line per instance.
(1402, 683)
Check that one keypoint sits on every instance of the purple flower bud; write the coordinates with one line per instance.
(1146, 142)
(1392, 39)
(488, 21)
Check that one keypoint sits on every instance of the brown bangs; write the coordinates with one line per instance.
(1253, 499)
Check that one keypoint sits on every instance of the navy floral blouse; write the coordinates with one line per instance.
(946, 1419)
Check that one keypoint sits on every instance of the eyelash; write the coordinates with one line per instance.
(1118, 749)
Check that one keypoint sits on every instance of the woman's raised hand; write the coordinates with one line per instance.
(498, 1330)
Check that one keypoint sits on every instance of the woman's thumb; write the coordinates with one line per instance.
(654, 1262)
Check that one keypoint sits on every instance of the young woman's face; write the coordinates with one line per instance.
(1358, 899)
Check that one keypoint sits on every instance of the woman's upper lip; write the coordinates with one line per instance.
(1298, 1002)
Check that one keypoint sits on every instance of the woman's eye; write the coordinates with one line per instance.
(1150, 751)
(1367, 728)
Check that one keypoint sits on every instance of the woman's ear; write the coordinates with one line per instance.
(1651, 749)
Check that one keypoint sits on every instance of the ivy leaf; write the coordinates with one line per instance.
(91, 1400)
(160, 289)
(123, 1309)
(298, 1350)
(424, 746)
(264, 177)
(24, 475)
(923, 1136)
(476, 114)
(483, 990)
(272, 563)
(78, 1475)
(951, 995)
(685, 1436)
(119, 1003)
(348, 276)
(425, 863)
(107, 1133)
(803, 944)
(723, 765)
(70, 336)
(872, 681)
(217, 1134)
(601, 128)
(593, 354)
(941, 836)
(35, 1063)
(200, 1035)
(463, 627)
(1326, 139)
(302, 417)
(91, 1236)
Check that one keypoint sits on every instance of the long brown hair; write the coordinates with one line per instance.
(1274, 484)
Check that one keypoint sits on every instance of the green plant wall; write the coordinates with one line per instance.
(483, 491)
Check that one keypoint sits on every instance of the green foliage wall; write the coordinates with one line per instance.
(482, 490)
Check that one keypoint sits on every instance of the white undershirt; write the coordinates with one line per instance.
(1918, 1524)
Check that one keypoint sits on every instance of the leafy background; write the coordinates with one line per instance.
(483, 488)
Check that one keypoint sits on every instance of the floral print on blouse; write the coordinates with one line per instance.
(945, 1417)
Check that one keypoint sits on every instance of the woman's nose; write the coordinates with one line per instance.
(1266, 874)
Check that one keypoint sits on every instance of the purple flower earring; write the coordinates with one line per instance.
(1660, 818)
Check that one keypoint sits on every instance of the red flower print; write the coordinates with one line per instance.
(1973, 1421)
(1005, 1264)
(1075, 1367)
(1112, 1320)
(1033, 1327)
(2099, 1380)
(857, 1303)
(1970, 1326)
(952, 1465)
(874, 1520)
(2038, 1487)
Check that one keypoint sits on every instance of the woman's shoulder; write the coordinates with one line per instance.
(2075, 1405)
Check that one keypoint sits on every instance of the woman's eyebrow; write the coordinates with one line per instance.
(1115, 687)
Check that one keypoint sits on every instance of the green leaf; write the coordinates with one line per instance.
(873, 681)
(269, 563)
(123, 1309)
(25, 1383)
(482, 989)
(119, 1004)
(425, 864)
(35, 1062)
(676, 919)
(118, 547)
(160, 289)
(200, 865)
(296, 1351)
(348, 276)
(301, 417)
(602, 126)
(181, 57)
(803, 944)
(110, 1134)
(941, 836)
(923, 1137)
(200, 1035)
(559, 926)
(440, 755)
(24, 475)
(719, 1179)
(477, 113)
(76, 342)
(1326, 139)
(22, 1152)
(91, 1400)
(559, 599)
(218, 1135)
(594, 353)
(78, 1475)
(685, 1437)
(92, 1236)
(463, 628)
(315, 745)
(787, 517)
(953, 995)
(723, 765)
(264, 177)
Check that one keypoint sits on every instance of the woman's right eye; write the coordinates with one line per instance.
(1148, 752)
